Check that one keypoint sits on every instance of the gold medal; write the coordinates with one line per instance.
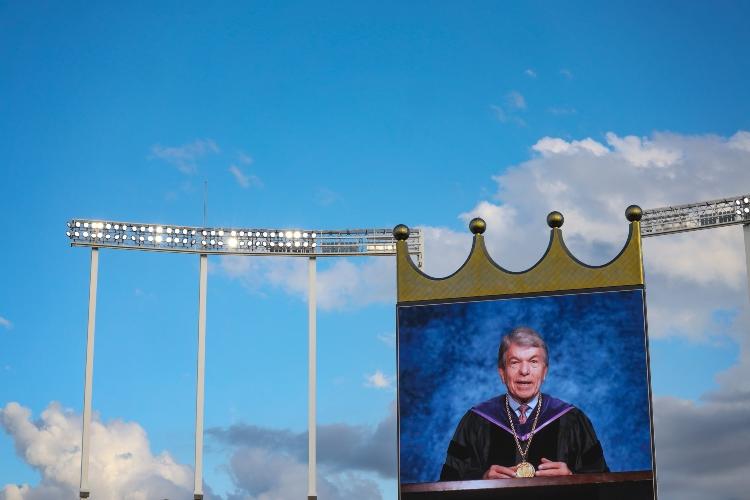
(525, 469)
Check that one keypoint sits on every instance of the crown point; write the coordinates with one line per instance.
(633, 213)
(555, 219)
(401, 232)
(477, 225)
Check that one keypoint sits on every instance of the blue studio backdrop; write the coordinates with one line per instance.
(448, 363)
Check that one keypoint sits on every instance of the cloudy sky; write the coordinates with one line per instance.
(328, 116)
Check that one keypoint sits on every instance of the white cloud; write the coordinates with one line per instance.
(340, 285)
(506, 116)
(554, 146)
(566, 73)
(642, 152)
(562, 110)
(244, 158)
(530, 73)
(326, 197)
(122, 465)
(515, 100)
(244, 180)
(690, 276)
(388, 339)
(185, 157)
(379, 380)
(5, 323)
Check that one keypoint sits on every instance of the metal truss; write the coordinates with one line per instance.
(695, 216)
(239, 241)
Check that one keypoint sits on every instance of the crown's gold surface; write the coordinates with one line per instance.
(557, 270)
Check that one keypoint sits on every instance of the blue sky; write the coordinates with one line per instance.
(335, 115)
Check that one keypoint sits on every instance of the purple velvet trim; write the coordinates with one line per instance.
(491, 419)
(493, 410)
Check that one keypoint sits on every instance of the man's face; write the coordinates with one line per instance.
(524, 372)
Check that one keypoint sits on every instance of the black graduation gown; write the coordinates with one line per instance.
(484, 438)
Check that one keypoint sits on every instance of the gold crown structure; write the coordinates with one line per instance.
(557, 270)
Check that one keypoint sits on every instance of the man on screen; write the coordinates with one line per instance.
(523, 433)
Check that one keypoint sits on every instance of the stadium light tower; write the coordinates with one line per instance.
(701, 215)
(205, 241)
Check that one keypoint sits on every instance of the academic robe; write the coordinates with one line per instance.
(484, 438)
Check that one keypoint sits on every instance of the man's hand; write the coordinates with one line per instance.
(500, 472)
(550, 468)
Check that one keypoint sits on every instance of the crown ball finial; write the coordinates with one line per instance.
(555, 219)
(401, 232)
(477, 225)
(633, 213)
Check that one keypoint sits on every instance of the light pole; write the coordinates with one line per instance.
(205, 241)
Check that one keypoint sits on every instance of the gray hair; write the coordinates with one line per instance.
(523, 336)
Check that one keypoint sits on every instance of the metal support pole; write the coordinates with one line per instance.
(84, 484)
(311, 382)
(746, 233)
(199, 383)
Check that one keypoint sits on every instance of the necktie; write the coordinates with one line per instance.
(522, 413)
